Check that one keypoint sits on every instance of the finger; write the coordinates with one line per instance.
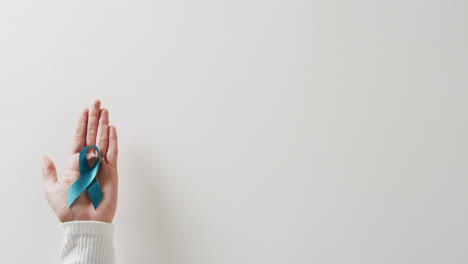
(112, 151)
(93, 123)
(79, 136)
(103, 133)
(48, 170)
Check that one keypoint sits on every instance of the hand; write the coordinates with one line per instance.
(92, 128)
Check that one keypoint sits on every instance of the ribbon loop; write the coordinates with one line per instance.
(87, 180)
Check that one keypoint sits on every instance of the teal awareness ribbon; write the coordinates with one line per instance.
(87, 180)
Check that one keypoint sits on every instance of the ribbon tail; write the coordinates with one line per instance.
(72, 194)
(95, 193)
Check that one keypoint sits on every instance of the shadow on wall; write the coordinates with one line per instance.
(144, 233)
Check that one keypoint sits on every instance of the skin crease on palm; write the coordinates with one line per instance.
(92, 128)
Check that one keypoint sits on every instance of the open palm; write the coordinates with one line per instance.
(92, 128)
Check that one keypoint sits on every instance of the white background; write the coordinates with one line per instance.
(251, 131)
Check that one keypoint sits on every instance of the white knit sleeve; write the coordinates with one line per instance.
(87, 242)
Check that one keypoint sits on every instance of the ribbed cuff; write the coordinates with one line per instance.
(88, 228)
(87, 242)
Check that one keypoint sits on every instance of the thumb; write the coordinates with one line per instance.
(48, 170)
